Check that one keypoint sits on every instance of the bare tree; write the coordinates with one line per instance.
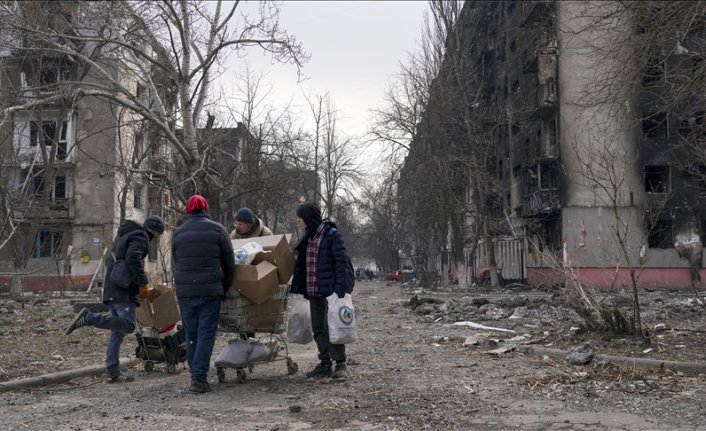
(174, 47)
(149, 65)
(381, 232)
(333, 154)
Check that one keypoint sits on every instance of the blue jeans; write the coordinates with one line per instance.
(199, 315)
(120, 321)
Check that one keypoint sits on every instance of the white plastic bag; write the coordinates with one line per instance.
(234, 354)
(341, 319)
(246, 253)
(299, 325)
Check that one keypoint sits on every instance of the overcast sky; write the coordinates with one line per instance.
(355, 48)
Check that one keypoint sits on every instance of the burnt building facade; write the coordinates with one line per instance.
(589, 160)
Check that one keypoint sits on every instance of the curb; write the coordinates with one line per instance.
(61, 377)
(642, 363)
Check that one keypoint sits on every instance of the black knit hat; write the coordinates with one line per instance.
(245, 215)
(155, 224)
(311, 214)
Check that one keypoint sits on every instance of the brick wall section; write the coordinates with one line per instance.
(37, 283)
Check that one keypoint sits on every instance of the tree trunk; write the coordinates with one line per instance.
(16, 287)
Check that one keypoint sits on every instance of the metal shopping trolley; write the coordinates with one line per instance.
(167, 346)
(243, 317)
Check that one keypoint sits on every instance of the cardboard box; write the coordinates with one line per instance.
(277, 252)
(257, 282)
(161, 312)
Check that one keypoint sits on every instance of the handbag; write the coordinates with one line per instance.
(341, 319)
(120, 275)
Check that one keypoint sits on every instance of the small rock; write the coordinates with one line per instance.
(472, 340)
(519, 313)
(479, 301)
(295, 409)
(660, 327)
(581, 355)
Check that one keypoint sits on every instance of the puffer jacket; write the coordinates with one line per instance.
(330, 263)
(132, 245)
(203, 258)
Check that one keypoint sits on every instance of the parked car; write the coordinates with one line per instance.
(394, 276)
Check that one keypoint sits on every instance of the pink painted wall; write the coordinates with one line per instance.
(602, 278)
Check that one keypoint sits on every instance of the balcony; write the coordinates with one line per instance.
(546, 100)
(59, 208)
(542, 202)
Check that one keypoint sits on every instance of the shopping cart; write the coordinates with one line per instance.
(167, 346)
(245, 318)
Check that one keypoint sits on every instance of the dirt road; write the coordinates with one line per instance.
(408, 371)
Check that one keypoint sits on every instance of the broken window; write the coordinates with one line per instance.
(38, 182)
(660, 234)
(60, 187)
(152, 255)
(137, 194)
(516, 172)
(548, 174)
(45, 132)
(653, 73)
(657, 179)
(655, 126)
(48, 244)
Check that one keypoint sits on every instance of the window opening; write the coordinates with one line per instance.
(660, 235)
(60, 187)
(656, 179)
(137, 195)
(48, 244)
(655, 126)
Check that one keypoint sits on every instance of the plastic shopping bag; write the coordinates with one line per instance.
(299, 325)
(341, 319)
(245, 254)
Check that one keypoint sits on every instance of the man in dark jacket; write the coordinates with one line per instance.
(321, 270)
(131, 245)
(203, 271)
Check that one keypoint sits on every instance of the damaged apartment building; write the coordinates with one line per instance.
(72, 168)
(592, 116)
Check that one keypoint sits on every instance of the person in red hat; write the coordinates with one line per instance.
(203, 271)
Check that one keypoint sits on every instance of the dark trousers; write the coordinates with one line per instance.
(319, 325)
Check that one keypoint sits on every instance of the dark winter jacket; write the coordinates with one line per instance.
(203, 257)
(132, 245)
(330, 263)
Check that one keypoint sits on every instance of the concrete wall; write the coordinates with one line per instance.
(598, 137)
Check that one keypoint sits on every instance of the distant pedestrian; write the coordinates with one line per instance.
(247, 225)
(321, 270)
(132, 246)
(203, 271)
